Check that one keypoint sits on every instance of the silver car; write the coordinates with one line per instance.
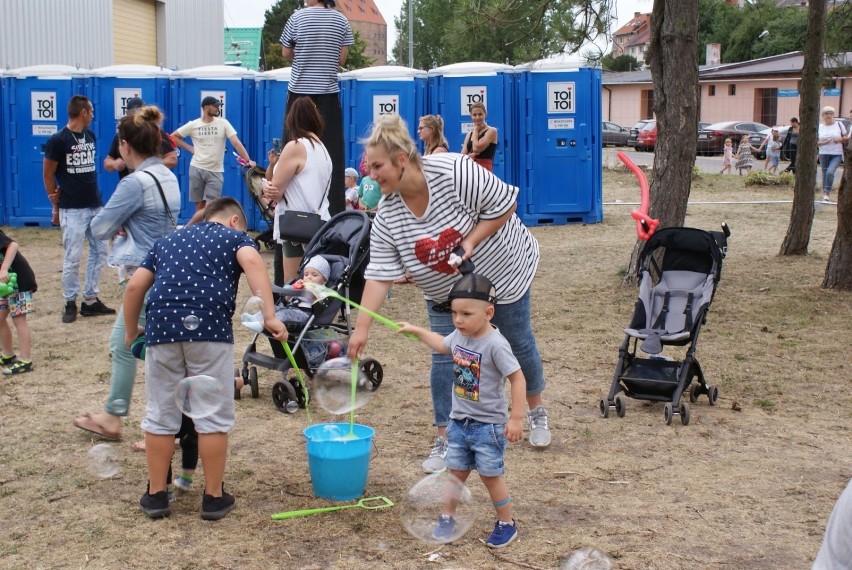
(613, 134)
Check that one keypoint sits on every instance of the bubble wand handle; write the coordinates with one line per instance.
(353, 380)
(321, 292)
(292, 360)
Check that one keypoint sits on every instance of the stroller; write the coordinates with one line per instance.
(679, 270)
(254, 181)
(344, 241)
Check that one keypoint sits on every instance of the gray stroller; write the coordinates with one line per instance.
(679, 270)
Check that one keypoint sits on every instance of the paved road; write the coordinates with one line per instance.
(712, 164)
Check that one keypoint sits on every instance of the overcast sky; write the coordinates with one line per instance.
(249, 13)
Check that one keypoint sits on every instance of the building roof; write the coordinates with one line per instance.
(243, 45)
(635, 24)
(361, 11)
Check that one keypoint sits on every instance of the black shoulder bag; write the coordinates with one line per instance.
(300, 227)
(163, 196)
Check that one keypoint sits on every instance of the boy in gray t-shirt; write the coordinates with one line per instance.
(480, 422)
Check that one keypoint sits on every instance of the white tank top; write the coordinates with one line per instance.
(308, 190)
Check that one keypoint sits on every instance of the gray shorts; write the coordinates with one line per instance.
(204, 185)
(167, 364)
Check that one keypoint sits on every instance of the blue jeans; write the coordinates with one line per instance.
(476, 445)
(829, 164)
(515, 323)
(123, 367)
(75, 231)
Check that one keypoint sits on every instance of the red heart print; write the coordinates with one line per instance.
(435, 253)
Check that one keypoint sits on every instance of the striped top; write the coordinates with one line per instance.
(317, 34)
(461, 193)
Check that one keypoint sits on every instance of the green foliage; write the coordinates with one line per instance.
(764, 178)
(621, 63)
(356, 58)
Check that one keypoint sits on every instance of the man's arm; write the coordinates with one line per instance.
(48, 173)
(181, 143)
(344, 53)
(288, 52)
(241, 150)
(170, 159)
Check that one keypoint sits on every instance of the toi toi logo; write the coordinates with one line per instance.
(45, 109)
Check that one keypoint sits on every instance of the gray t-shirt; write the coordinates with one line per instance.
(480, 368)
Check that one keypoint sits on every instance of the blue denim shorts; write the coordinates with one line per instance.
(475, 445)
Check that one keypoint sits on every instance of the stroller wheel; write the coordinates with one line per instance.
(252, 381)
(603, 408)
(693, 393)
(668, 412)
(237, 394)
(684, 413)
(284, 397)
(620, 406)
(374, 371)
(713, 394)
(300, 392)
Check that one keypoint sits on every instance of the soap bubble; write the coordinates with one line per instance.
(200, 396)
(253, 306)
(191, 322)
(425, 503)
(102, 461)
(119, 407)
(587, 559)
(252, 315)
(331, 386)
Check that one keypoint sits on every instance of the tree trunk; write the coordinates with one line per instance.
(802, 214)
(673, 59)
(838, 272)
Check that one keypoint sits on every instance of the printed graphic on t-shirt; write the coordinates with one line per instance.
(81, 159)
(435, 254)
(466, 372)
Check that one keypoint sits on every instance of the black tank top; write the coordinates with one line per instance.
(488, 153)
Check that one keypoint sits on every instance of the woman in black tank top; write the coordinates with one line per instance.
(480, 144)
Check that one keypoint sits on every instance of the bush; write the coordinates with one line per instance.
(764, 178)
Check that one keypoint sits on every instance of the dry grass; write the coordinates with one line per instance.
(734, 489)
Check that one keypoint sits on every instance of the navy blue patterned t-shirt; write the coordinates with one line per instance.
(195, 284)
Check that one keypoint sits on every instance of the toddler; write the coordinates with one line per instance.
(744, 161)
(773, 152)
(17, 305)
(351, 180)
(728, 161)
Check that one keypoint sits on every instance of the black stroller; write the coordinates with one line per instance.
(344, 241)
(254, 181)
(679, 270)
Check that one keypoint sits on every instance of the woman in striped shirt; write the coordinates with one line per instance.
(430, 207)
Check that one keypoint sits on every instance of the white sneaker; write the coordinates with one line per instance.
(435, 462)
(539, 431)
(825, 198)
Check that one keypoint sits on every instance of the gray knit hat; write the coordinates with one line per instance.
(319, 263)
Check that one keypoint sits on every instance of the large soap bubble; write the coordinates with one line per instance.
(587, 558)
(424, 509)
(252, 315)
(102, 461)
(331, 386)
(200, 396)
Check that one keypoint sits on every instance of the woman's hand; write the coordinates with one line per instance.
(357, 342)
(270, 192)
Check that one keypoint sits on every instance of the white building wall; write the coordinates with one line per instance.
(63, 32)
(191, 32)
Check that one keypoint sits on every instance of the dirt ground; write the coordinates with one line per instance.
(748, 484)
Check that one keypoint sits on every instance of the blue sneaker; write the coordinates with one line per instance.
(444, 528)
(503, 534)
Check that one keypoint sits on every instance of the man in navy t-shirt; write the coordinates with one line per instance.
(71, 180)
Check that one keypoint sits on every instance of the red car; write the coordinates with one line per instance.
(647, 138)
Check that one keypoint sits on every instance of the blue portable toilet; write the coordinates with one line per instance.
(235, 88)
(112, 86)
(367, 94)
(559, 144)
(5, 119)
(35, 101)
(269, 122)
(453, 88)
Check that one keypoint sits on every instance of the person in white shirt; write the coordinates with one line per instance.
(830, 139)
(207, 167)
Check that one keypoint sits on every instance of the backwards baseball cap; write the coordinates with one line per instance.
(473, 286)
(319, 263)
(351, 172)
(210, 100)
(134, 103)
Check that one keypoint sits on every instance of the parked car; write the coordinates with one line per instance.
(711, 139)
(614, 134)
(634, 133)
(647, 138)
(758, 139)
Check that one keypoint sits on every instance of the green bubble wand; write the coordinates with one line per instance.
(322, 292)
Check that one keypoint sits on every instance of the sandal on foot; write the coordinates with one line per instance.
(87, 423)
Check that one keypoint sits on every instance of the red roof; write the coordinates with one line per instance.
(360, 11)
(638, 23)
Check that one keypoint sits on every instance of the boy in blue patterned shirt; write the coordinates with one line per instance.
(193, 275)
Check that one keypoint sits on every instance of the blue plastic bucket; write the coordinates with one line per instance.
(339, 463)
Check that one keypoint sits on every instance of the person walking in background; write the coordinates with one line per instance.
(316, 39)
(113, 161)
(773, 152)
(301, 177)
(18, 305)
(480, 143)
(207, 167)
(791, 144)
(728, 161)
(70, 177)
(353, 201)
(744, 160)
(831, 138)
(141, 210)
(431, 133)
(431, 207)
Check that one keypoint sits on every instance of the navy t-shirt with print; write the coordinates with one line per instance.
(76, 168)
(195, 284)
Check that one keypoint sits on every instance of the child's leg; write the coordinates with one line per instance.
(213, 448)
(499, 493)
(22, 328)
(158, 452)
(6, 333)
(451, 497)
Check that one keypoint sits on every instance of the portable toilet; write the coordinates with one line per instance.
(559, 144)
(35, 101)
(369, 93)
(271, 104)
(454, 88)
(235, 88)
(112, 86)
(5, 119)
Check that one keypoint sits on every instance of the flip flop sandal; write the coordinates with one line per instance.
(87, 423)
